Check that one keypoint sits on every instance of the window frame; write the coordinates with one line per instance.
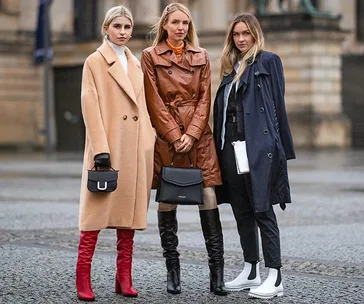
(81, 21)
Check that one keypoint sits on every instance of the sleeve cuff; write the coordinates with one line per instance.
(173, 135)
(194, 131)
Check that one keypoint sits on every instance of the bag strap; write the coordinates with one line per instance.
(189, 157)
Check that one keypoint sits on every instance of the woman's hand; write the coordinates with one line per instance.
(102, 160)
(176, 144)
(186, 143)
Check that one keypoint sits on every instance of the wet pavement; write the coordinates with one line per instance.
(322, 235)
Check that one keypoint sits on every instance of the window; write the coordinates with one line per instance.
(360, 20)
(85, 20)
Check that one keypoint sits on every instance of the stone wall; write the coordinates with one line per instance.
(21, 100)
(312, 62)
(311, 57)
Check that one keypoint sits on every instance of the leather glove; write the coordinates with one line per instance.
(102, 160)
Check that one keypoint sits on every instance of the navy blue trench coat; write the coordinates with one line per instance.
(262, 114)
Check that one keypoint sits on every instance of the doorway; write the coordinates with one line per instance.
(353, 95)
(69, 122)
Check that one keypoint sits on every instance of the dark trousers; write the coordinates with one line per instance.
(242, 204)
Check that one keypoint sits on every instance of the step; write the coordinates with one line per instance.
(9, 72)
(11, 60)
(21, 95)
(22, 83)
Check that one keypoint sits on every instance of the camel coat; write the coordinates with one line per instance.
(117, 122)
(179, 99)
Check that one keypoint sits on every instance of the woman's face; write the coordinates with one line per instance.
(243, 39)
(119, 30)
(176, 27)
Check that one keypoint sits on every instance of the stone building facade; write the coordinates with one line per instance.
(322, 56)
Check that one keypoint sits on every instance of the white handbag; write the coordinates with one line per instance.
(241, 157)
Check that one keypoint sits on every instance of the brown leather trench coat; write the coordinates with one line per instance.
(178, 95)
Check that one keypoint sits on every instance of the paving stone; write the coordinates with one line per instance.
(322, 235)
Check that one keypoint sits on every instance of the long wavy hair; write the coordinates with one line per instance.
(231, 54)
(161, 34)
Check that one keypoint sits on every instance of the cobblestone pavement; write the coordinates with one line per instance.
(322, 234)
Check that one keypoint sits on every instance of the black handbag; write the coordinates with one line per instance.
(182, 186)
(102, 180)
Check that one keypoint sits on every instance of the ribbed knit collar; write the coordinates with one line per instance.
(120, 50)
(176, 49)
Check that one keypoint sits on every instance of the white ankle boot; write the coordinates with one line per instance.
(242, 282)
(268, 289)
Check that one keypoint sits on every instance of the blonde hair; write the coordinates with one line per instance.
(112, 13)
(231, 55)
(161, 34)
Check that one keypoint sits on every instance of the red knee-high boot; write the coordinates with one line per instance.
(86, 249)
(125, 242)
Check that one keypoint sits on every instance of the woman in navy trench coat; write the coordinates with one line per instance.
(250, 107)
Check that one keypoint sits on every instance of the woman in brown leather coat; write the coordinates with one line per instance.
(178, 91)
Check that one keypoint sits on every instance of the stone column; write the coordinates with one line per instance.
(145, 12)
(213, 15)
(213, 18)
(273, 6)
(312, 64)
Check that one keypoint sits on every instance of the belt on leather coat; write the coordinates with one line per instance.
(173, 106)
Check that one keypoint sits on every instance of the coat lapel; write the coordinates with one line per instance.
(116, 70)
(163, 48)
(226, 79)
(135, 73)
(257, 68)
(244, 80)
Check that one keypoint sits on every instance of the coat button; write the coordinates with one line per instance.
(125, 117)
(256, 73)
(258, 86)
(261, 110)
(135, 118)
(270, 155)
(169, 72)
(265, 131)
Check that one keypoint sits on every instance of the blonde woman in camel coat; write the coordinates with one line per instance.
(118, 134)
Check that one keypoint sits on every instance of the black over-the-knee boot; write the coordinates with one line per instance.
(212, 232)
(168, 226)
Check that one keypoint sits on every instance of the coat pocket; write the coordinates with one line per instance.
(275, 121)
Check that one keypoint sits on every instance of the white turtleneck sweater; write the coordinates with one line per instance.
(120, 52)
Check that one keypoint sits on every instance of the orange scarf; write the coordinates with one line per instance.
(178, 50)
